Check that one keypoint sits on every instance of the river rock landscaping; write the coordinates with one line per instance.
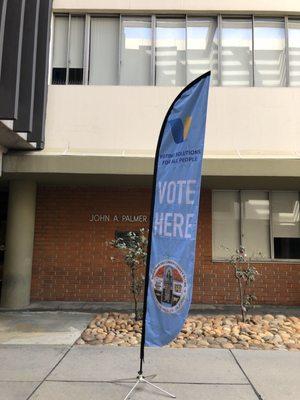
(265, 332)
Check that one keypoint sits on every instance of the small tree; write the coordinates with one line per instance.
(134, 248)
(245, 274)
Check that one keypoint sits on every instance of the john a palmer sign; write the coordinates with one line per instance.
(118, 218)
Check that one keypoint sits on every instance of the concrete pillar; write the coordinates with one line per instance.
(2, 150)
(19, 244)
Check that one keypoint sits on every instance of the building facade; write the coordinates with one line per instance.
(84, 175)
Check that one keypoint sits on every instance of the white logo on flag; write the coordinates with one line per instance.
(169, 285)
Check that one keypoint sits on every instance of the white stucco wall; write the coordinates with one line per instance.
(242, 122)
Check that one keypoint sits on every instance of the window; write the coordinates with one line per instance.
(60, 50)
(125, 236)
(170, 52)
(269, 48)
(226, 217)
(202, 48)
(174, 50)
(104, 51)
(255, 227)
(68, 50)
(76, 51)
(294, 52)
(136, 51)
(267, 224)
(236, 63)
(286, 227)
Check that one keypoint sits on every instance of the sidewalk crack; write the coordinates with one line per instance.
(50, 372)
(246, 376)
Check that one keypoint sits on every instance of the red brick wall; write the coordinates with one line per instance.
(72, 258)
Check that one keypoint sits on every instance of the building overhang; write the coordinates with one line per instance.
(110, 170)
(13, 140)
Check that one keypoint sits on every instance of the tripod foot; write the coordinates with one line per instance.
(158, 388)
(132, 390)
(141, 379)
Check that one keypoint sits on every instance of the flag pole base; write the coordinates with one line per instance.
(141, 379)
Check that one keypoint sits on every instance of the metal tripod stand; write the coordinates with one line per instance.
(141, 379)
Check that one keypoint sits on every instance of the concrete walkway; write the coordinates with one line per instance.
(54, 372)
(42, 327)
(38, 360)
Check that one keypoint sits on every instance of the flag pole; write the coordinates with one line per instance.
(161, 133)
(142, 347)
(140, 377)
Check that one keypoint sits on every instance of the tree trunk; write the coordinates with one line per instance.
(133, 279)
(242, 300)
